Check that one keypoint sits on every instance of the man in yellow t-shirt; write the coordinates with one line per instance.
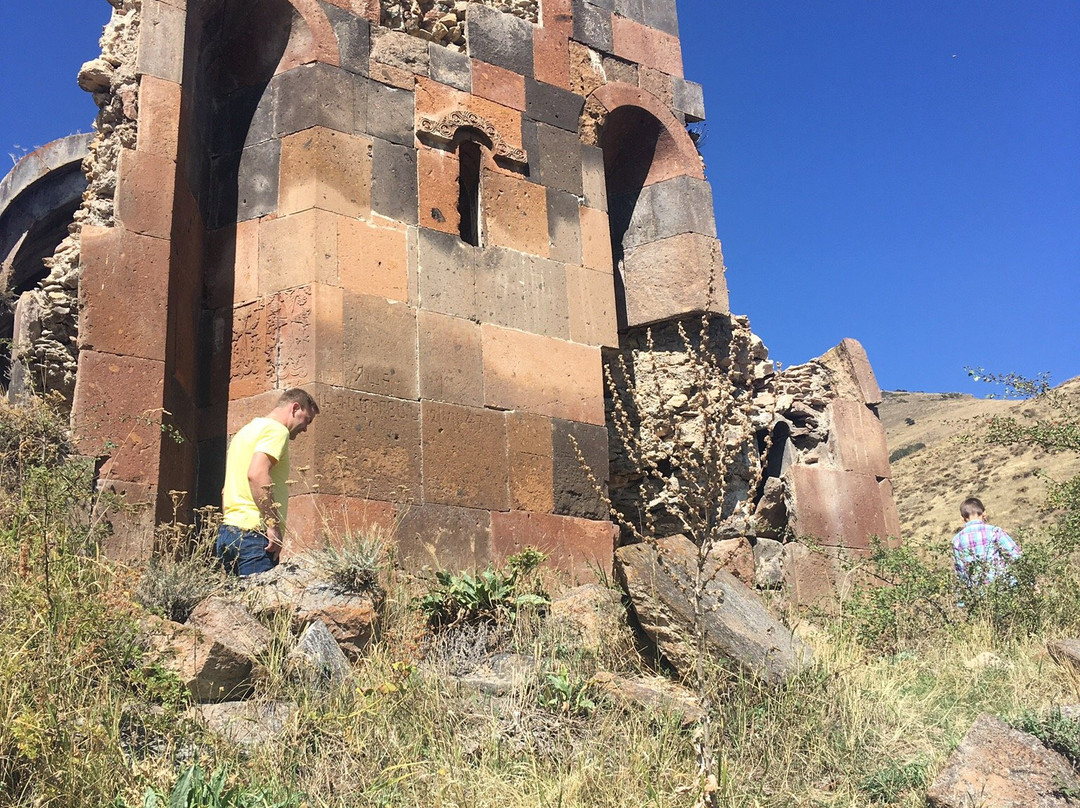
(255, 498)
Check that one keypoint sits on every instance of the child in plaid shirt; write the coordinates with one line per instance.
(980, 550)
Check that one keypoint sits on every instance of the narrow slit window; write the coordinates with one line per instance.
(469, 192)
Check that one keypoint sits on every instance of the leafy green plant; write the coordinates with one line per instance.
(194, 789)
(493, 595)
(564, 692)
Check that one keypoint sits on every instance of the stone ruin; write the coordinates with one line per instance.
(441, 218)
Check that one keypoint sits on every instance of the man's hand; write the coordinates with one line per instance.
(274, 542)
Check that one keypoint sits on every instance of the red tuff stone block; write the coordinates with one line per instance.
(435, 101)
(438, 172)
(145, 187)
(857, 439)
(307, 327)
(591, 297)
(542, 375)
(297, 250)
(515, 213)
(551, 57)
(362, 446)
(373, 260)
(595, 240)
(451, 362)
(380, 346)
(817, 576)
(578, 546)
(499, 85)
(117, 414)
(159, 117)
(444, 537)
(666, 279)
(118, 264)
(647, 46)
(251, 351)
(852, 373)
(838, 508)
(232, 264)
(557, 15)
(465, 460)
(321, 168)
(131, 540)
(328, 520)
(528, 440)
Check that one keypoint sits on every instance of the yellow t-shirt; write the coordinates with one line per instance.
(238, 505)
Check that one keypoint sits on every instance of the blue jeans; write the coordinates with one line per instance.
(243, 552)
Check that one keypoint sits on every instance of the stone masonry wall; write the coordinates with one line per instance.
(444, 22)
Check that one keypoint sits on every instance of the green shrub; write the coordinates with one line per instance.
(904, 451)
(494, 595)
(565, 692)
(889, 784)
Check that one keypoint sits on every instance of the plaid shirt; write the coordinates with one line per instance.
(985, 545)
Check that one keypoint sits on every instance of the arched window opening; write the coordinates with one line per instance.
(469, 201)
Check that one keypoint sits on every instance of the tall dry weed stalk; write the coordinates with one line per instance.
(688, 454)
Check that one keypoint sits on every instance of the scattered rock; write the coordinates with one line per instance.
(736, 556)
(209, 669)
(249, 724)
(768, 564)
(318, 657)
(307, 595)
(1066, 653)
(982, 661)
(501, 674)
(996, 765)
(659, 577)
(654, 692)
(594, 614)
(231, 624)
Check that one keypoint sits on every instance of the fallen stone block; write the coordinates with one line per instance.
(996, 765)
(249, 724)
(318, 657)
(306, 595)
(652, 692)
(595, 615)
(659, 576)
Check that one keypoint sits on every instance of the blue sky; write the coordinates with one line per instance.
(905, 173)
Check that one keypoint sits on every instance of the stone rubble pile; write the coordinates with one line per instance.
(794, 444)
(443, 21)
(49, 344)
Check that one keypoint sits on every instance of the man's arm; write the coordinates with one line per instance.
(262, 491)
(1007, 545)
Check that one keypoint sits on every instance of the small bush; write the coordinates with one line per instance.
(889, 784)
(904, 451)
(494, 595)
(354, 564)
(564, 692)
(172, 588)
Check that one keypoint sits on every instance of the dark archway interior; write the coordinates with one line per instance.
(233, 50)
(629, 140)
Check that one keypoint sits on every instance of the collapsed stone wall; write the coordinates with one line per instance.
(671, 379)
(443, 22)
(802, 452)
(48, 346)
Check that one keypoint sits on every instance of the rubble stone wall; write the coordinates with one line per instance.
(49, 349)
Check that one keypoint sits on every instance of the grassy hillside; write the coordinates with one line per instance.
(941, 456)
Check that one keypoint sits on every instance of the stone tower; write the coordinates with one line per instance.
(435, 216)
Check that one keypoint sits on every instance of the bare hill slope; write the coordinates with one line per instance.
(941, 456)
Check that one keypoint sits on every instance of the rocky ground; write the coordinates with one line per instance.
(945, 458)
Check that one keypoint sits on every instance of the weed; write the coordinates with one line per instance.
(564, 692)
(1058, 732)
(353, 562)
(194, 789)
(889, 783)
(493, 596)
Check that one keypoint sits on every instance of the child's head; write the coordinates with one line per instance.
(972, 508)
